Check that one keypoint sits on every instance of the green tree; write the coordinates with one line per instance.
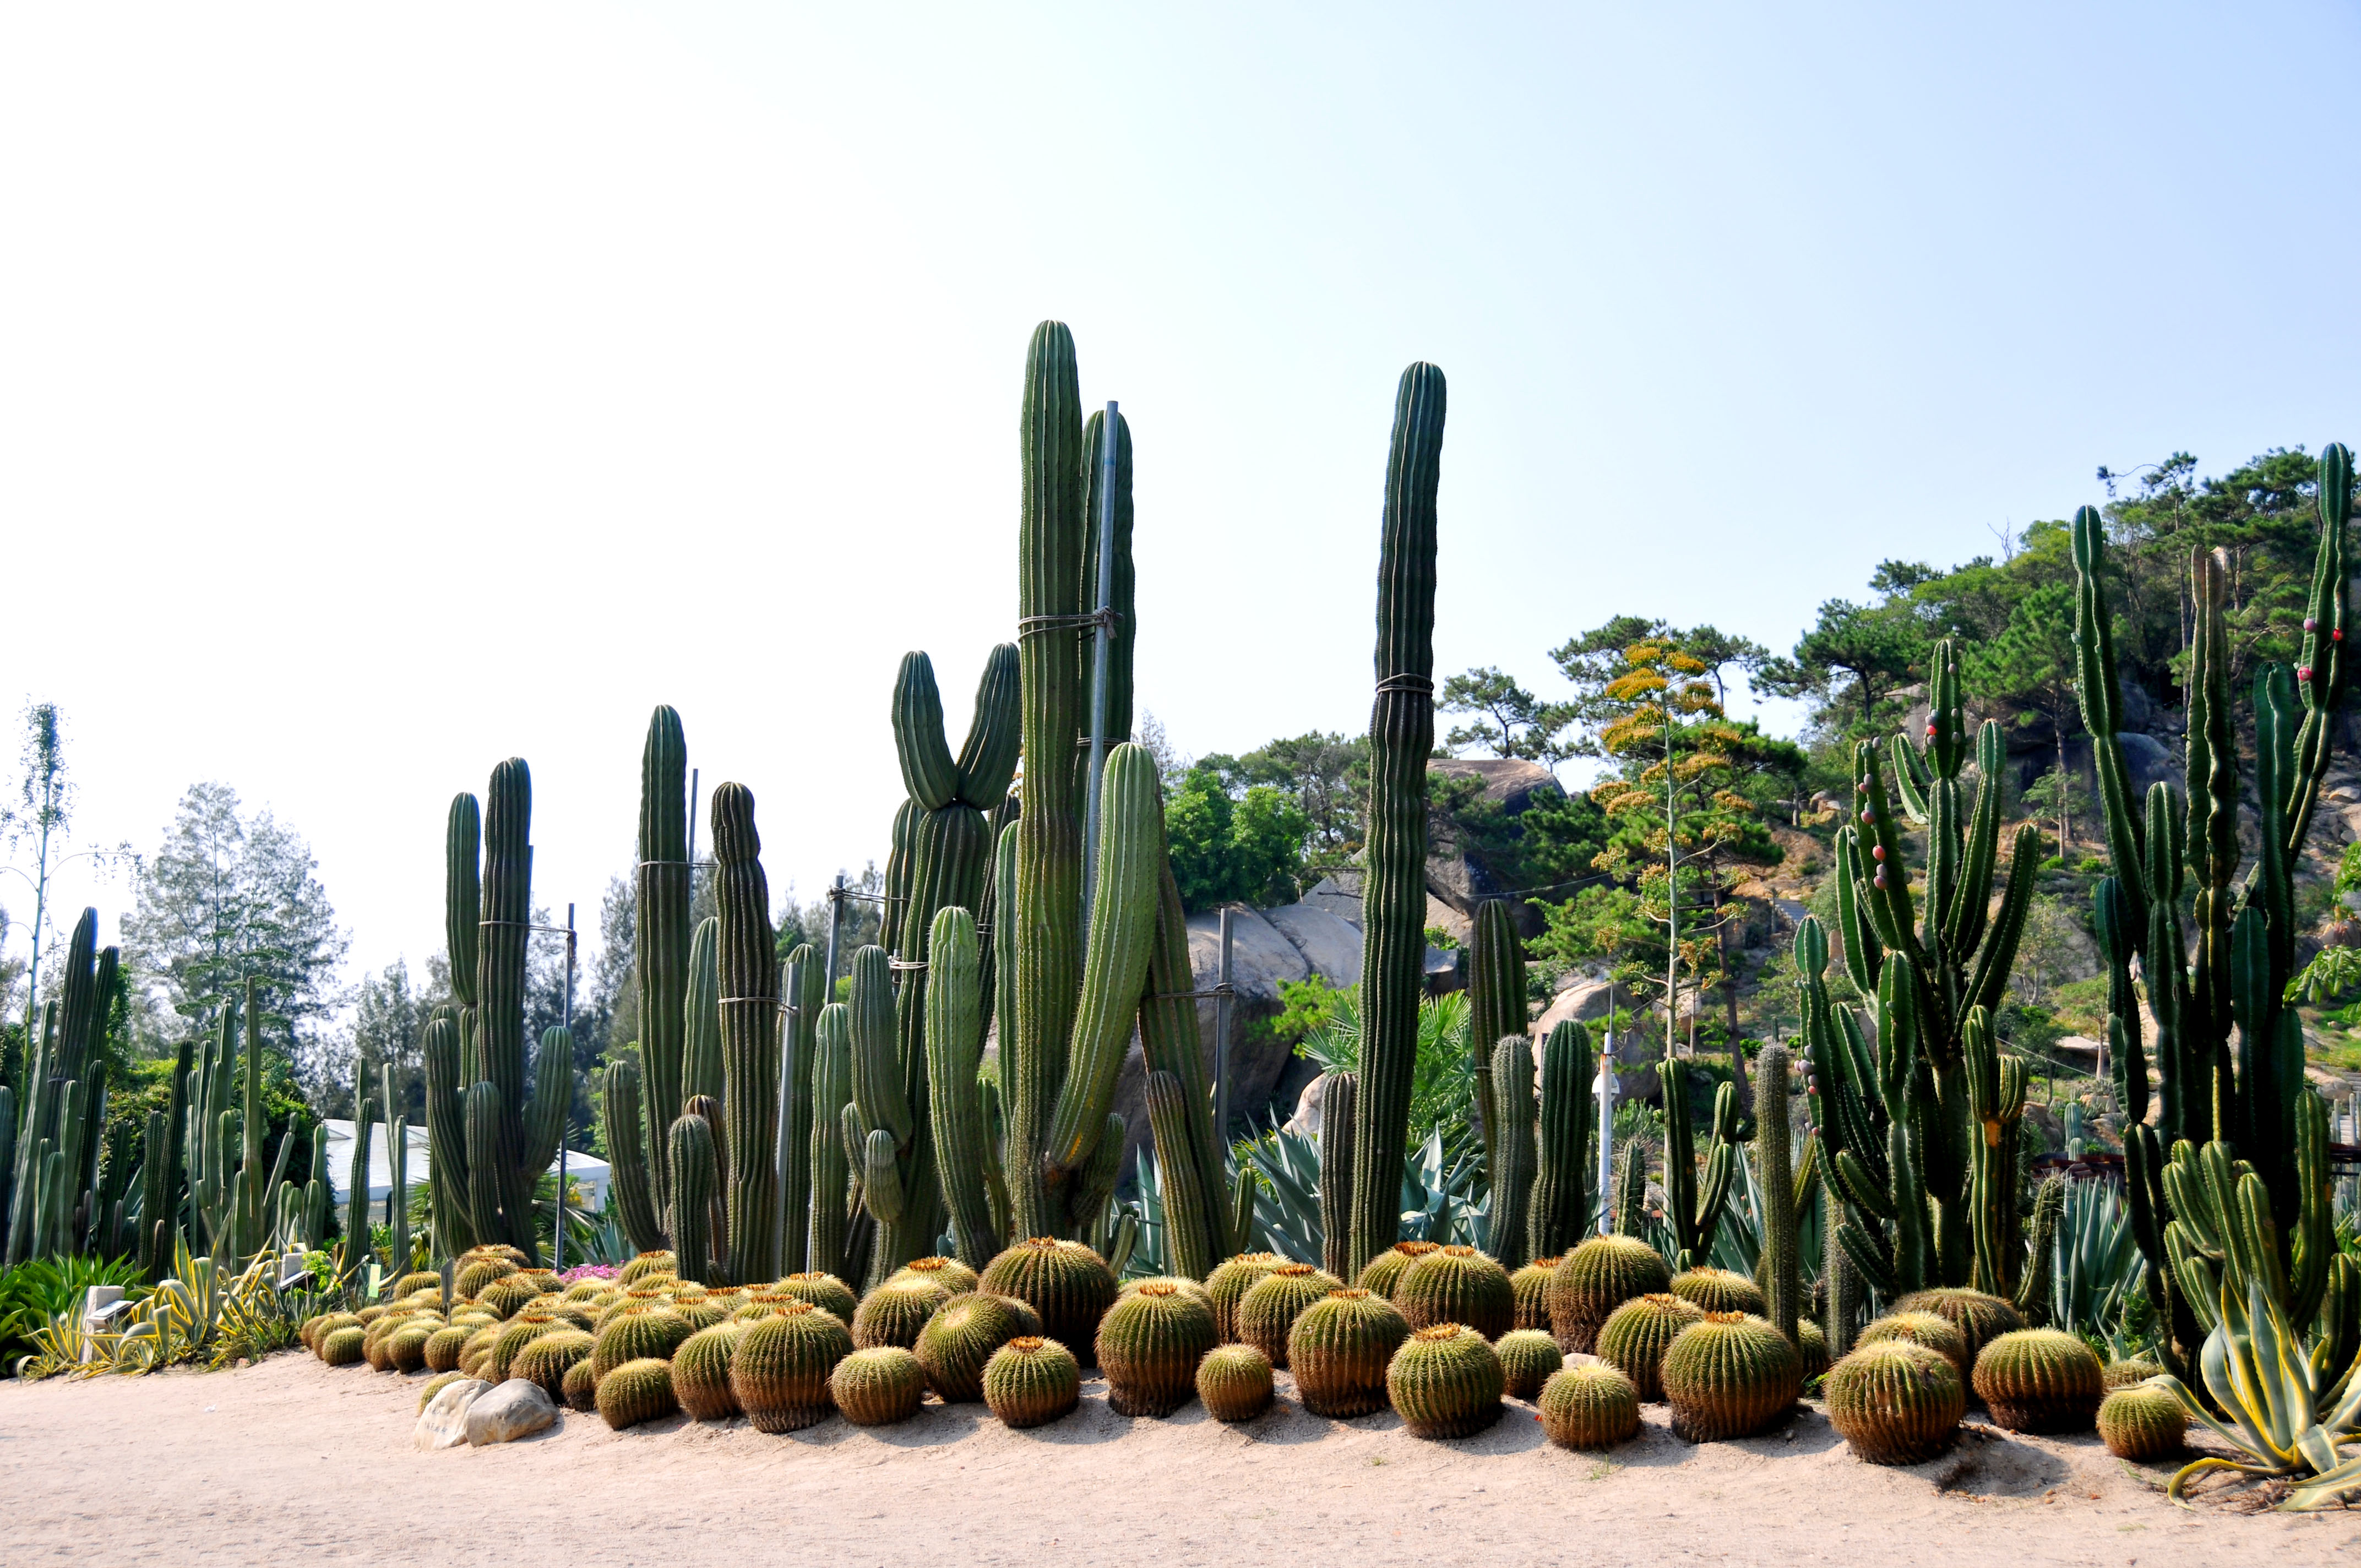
(1247, 849)
(1504, 719)
(2030, 667)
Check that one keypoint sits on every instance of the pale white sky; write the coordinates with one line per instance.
(384, 391)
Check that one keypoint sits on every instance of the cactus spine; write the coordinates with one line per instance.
(1401, 734)
(2252, 1103)
(1560, 1212)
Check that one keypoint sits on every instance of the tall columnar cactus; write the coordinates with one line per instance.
(1401, 734)
(1496, 1004)
(1511, 1138)
(621, 1114)
(2252, 1102)
(700, 1029)
(661, 934)
(1561, 1209)
(1782, 1276)
(488, 1140)
(1340, 1096)
(748, 1005)
(806, 995)
(55, 1141)
(1694, 1200)
(832, 1176)
(1172, 1045)
(1958, 954)
(954, 1100)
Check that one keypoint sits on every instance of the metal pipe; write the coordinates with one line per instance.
(565, 1123)
(1606, 1087)
(1222, 1039)
(1102, 653)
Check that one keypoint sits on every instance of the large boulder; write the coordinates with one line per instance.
(1583, 1000)
(444, 1423)
(1458, 875)
(516, 1408)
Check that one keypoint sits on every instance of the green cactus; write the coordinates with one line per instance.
(1446, 1382)
(825, 1291)
(1512, 1142)
(1980, 1317)
(581, 1387)
(701, 1373)
(1457, 1285)
(1496, 1010)
(1031, 1381)
(1895, 1402)
(1590, 1407)
(2143, 1424)
(954, 1102)
(802, 997)
(1719, 1290)
(1228, 1284)
(1782, 1273)
(1401, 735)
(1234, 1383)
(1596, 1278)
(1694, 1202)
(2041, 1380)
(636, 1392)
(443, 1348)
(547, 1358)
(1529, 1359)
(1148, 1346)
(877, 1385)
(1171, 1044)
(695, 1178)
(948, 1272)
(356, 1183)
(1339, 1105)
(748, 967)
(1385, 1270)
(831, 1173)
(2252, 1100)
(1930, 1330)
(1068, 1284)
(1636, 1334)
(1268, 1310)
(895, 1312)
(1339, 1348)
(1730, 1376)
(661, 933)
(1529, 1287)
(1632, 1191)
(961, 1337)
(344, 1347)
(1560, 1210)
(700, 1047)
(779, 1372)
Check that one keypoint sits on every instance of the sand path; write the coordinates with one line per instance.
(293, 1462)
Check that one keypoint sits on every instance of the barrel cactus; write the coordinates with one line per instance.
(779, 1372)
(1896, 1401)
(1385, 1270)
(443, 1348)
(1457, 1285)
(646, 1263)
(1719, 1291)
(1234, 1381)
(1981, 1318)
(1067, 1283)
(877, 1385)
(636, 1391)
(343, 1347)
(1530, 1285)
(1730, 1376)
(1229, 1282)
(547, 1359)
(638, 1333)
(1811, 1349)
(1339, 1348)
(2129, 1372)
(1937, 1334)
(433, 1386)
(1148, 1346)
(2140, 1423)
(407, 1349)
(1590, 1406)
(1636, 1334)
(508, 1297)
(1265, 1312)
(1529, 1359)
(473, 1277)
(1596, 1278)
(418, 1280)
(514, 1338)
(1031, 1381)
(960, 1338)
(1445, 1381)
(581, 1386)
(1183, 1283)
(825, 1291)
(948, 1272)
(2041, 1380)
(896, 1310)
(701, 1373)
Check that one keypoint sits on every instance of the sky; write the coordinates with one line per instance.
(387, 392)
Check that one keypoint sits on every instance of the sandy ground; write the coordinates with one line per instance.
(293, 1462)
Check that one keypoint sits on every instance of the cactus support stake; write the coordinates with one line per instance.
(836, 897)
(1103, 647)
(1222, 1039)
(1607, 1119)
(558, 1224)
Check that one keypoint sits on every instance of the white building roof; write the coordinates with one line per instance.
(586, 1170)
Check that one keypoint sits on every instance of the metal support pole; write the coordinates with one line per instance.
(1222, 1039)
(787, 1014)
(1100, 656)
(1672, 890)
(692, 837)
(1606, 1087)
(565, 1123)
(835, 929)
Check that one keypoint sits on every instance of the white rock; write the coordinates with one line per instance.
(444, 1423)
(514, 1409)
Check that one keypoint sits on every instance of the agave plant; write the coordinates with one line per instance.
(1444, 1197)
(2096, 1262)
(201, 1313)
(2289, 1408)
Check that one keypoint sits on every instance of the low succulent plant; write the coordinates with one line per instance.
(1457, 1285)
(948, 1272)
(896, 1310)
(442, 1347)
(1730, 1376)
(1636, 1334)
(877, 1385)
(825, 1291)
(701, 1373)
(2129, 1372)
(547, 1358)
(645, 1264)
(1229, 1282)
(1531, 1286)
(1589, 1407)
(1384, 1271)
(2041, 1380)
(1811, 1349)
(581, 1386)
(1234, 1383)
(638, 1333)
(779, 1372)
(1937, 1334)
(1445, 1381)
(1981, 1318)
(343, 1347)
(406, 1347)
(1896, 1401)
(959, 1339)
(433, 1386)
(1031, 1381)
(513, 1338)
(1339, 1348)
(1068, 1284)
(1267, 1311)
(1529, 1359)
(1594, 1279)
(2141, 1423)
(1719, 1291)
(636, 1391)
(1149, 1343)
